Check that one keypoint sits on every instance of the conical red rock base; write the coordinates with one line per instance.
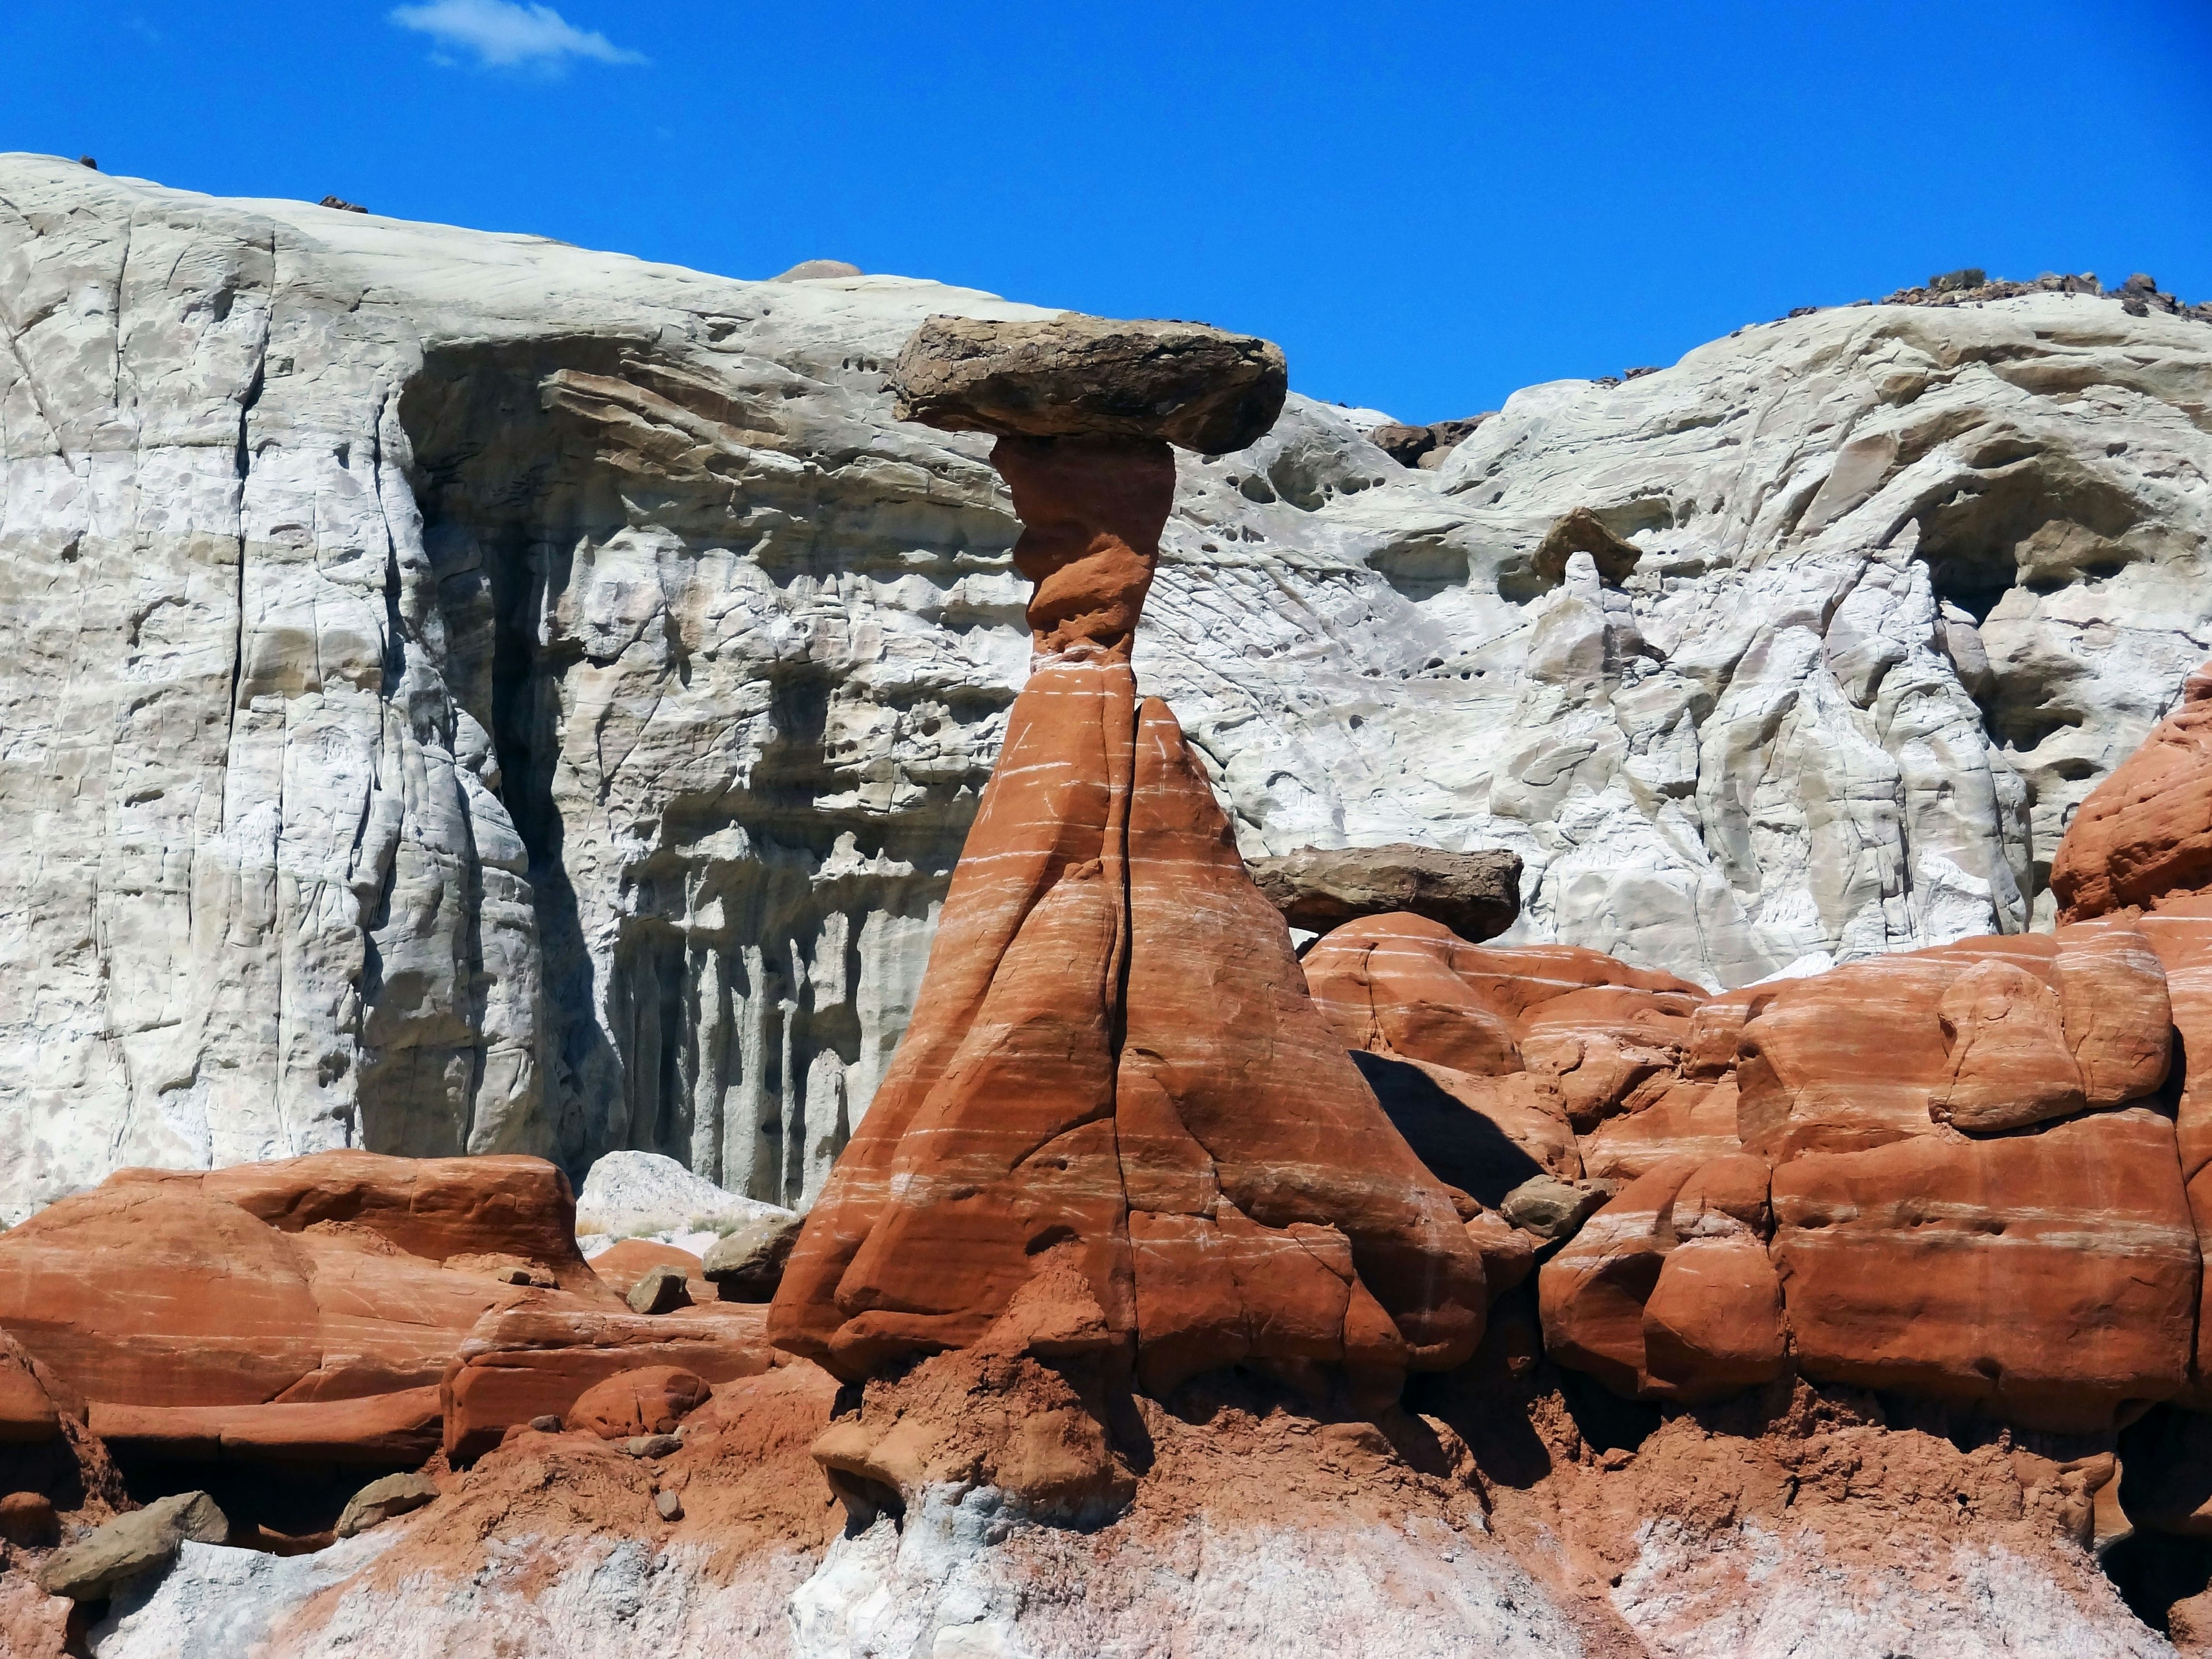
(1113, 1049)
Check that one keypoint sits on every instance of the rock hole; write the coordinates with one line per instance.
(1050, 1236)
(1605, 1421)
(866, 1501)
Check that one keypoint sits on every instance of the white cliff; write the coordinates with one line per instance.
(465, 692)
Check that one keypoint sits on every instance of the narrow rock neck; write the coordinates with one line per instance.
(1091, 511)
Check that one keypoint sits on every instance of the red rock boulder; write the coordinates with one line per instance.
(2144, 834)
(1989, 1034)
(298, 1309)
(540, 1355)
(2050, 1276)
(1666, 1292)
(650, 1399)
(1403, 985)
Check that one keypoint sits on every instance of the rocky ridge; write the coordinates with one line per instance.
(469, 693)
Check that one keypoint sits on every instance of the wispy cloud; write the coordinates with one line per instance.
(503, 35)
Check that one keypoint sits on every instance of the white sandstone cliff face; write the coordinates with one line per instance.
(463, 692)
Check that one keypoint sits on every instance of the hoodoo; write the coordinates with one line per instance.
(1114, 1067)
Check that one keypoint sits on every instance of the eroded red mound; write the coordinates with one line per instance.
(1114, 1051)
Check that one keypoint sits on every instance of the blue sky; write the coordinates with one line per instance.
(1427, 204)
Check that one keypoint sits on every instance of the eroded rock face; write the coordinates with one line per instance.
(2052, 1275)
(623, 821)
(329, 1310)
(2145, 833)
(150, 1292)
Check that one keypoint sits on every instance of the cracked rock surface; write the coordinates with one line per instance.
(465, 693)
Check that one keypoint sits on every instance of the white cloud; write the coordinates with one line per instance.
(504, 35)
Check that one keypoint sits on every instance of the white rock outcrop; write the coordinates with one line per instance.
(466, 693)
(631, 1195)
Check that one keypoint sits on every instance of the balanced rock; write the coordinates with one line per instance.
(118, 1551)
(383, 1499)
(1476, 894)
(1113, 1058)
(1076, 376)
(747, 1265)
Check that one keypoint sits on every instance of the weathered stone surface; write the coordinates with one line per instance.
(538, 1358)
(1091, 512)
(171, 1291)
(243, 425)
(434, 1208)
(1091, 377)
(383, 1499)
(1550, 1208)
(1482, 1135)
(1691, 1119)
(1594, 1036)
(1988, 1033)
(27, 1414)
(2145, 833)
(1667, 1291)
(399, 1425)
(2053, 1275)
(118, 1550)
(659, 1288)
(1713, 1323)
(747, 1264)
(2181, 932)
(650, 1399)
(1476, 894)
(628, 1195)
